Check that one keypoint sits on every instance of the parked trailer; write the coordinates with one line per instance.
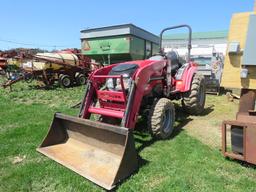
(118, 43)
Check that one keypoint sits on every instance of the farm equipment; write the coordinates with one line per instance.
(239, 73)
(3, 64)
(11, 60)
(99, 143)
(67, 67)
(10, 64)
(119, 43)
(210, 64)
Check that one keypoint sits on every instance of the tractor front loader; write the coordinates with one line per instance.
(99, 143)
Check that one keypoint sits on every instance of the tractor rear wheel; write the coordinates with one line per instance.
(65, 81)
(193, 102)
(161, 118)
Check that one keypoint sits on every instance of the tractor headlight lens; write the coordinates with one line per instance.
(115, 84)
(110, 84)
(126, 81)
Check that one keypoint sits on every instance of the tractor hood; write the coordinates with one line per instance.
(124, 69)
(129, 68)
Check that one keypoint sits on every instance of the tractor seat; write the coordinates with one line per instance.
(173, 59)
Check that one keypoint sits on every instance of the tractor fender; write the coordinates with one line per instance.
(188, 75)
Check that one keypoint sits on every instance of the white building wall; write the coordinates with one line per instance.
(219, 44)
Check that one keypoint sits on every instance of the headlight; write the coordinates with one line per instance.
(115, 84)
(110, 84)
(126, 81)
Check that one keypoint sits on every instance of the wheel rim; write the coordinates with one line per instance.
(167, 121)
(66, 82)
(82, 80)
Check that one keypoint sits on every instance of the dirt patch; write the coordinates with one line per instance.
(156, 181)
(207, 128)
(18, 159)
(4, 128)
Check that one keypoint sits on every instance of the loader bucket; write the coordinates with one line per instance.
(102, 153)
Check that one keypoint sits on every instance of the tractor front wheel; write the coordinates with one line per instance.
(193, 102)
(161, 119)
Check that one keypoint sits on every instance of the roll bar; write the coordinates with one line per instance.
(176, 27)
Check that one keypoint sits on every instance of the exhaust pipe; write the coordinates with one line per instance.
(105, 154)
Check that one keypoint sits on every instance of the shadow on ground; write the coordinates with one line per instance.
(242, 163)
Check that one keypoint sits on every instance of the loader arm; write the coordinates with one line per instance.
(143, 86)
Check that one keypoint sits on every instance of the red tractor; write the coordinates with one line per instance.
(102, 149)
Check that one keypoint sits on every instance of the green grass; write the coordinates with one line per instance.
(181, 163)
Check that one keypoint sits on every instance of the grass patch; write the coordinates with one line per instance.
(182, 163)
(207, 127)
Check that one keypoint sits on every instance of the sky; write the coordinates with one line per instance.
(50, 24)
